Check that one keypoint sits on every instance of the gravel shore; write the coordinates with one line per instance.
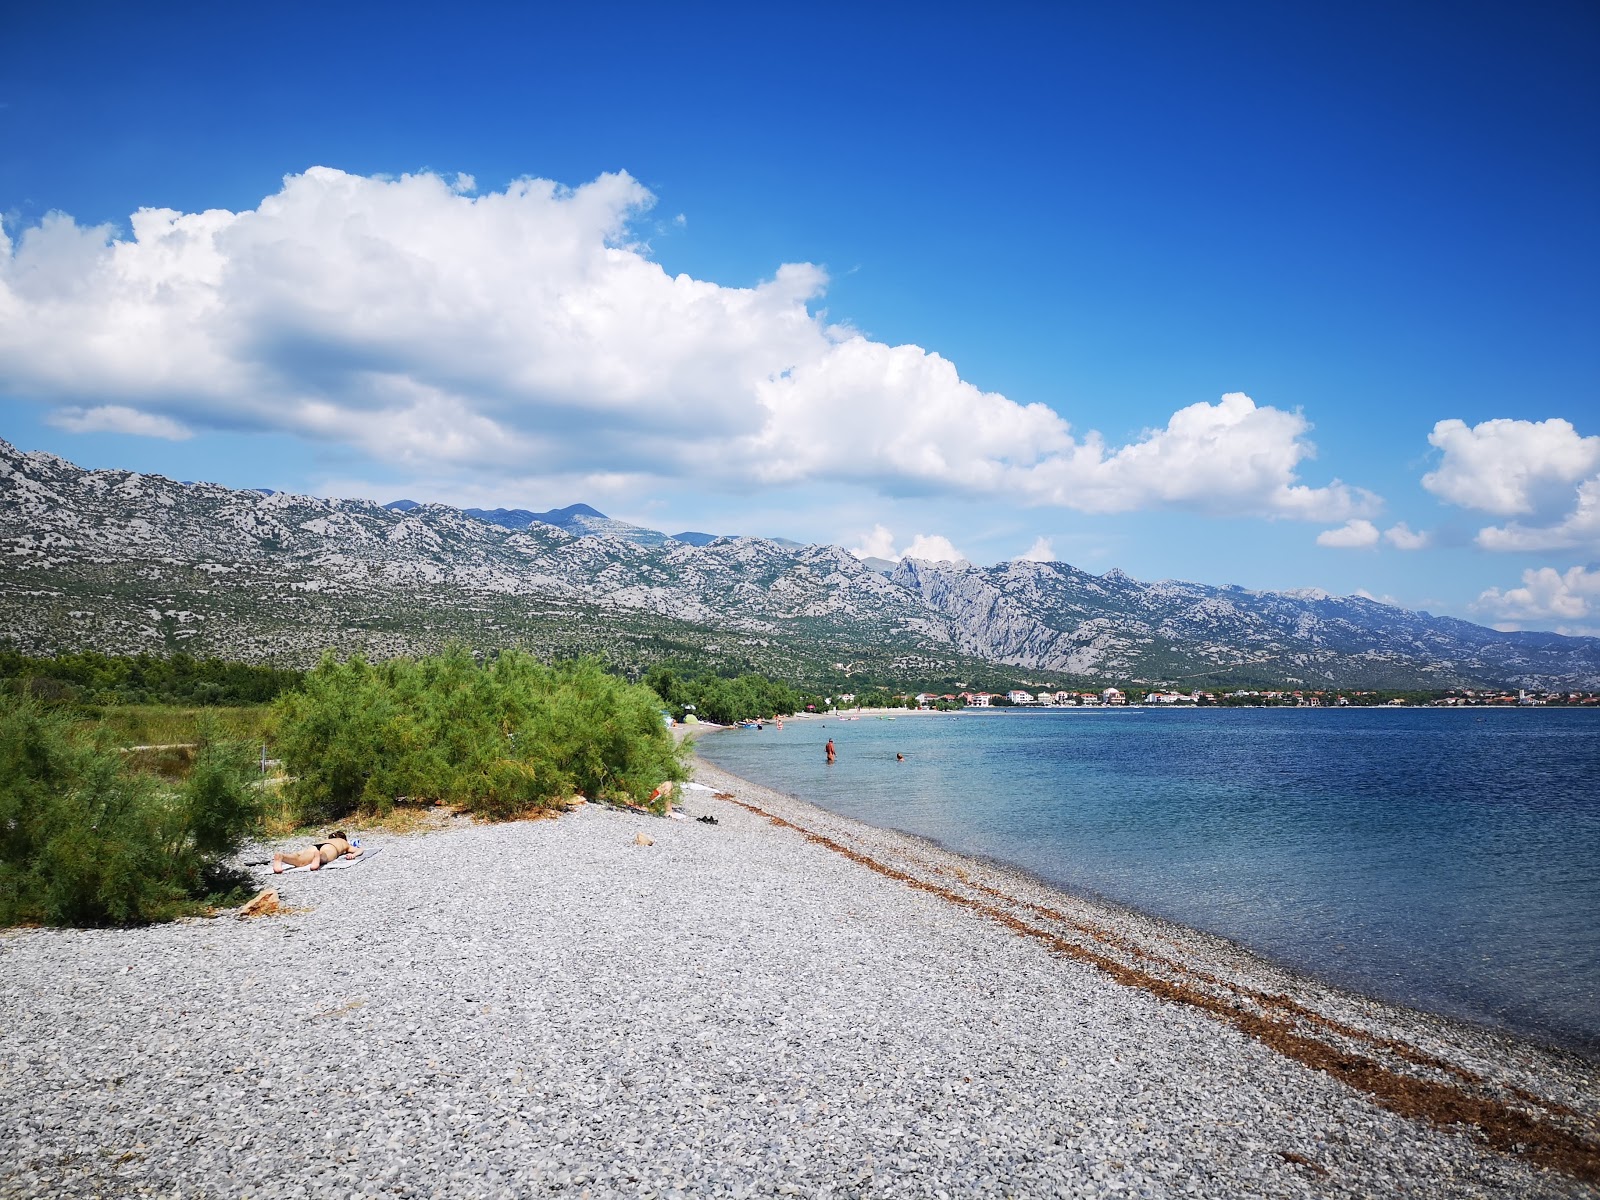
(805, 1006)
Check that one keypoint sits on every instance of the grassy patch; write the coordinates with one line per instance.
(171, 724)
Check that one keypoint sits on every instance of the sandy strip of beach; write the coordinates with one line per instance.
(783, 1002)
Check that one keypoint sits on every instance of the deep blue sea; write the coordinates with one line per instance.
(1448, 859)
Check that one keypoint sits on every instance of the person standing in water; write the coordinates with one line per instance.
(830, 750)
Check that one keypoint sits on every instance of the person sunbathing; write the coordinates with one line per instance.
(335, 845)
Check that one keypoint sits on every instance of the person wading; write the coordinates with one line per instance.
(830, 750)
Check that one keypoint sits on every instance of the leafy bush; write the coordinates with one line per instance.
(85, 840)
(500, 738)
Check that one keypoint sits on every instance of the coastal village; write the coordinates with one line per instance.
(1047, 697)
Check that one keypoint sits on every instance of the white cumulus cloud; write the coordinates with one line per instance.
(1577, 529)
(933, 547)
(877, 544)
(1041, 551)
(1570, 599)
(1403, 537)
(118, 418)
(523, 331)
(1543, 473)
(1508, 467)
(1355, 534)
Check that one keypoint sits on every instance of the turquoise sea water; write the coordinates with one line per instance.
(1445, 859)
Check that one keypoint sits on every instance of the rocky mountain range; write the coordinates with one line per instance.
(123, 562)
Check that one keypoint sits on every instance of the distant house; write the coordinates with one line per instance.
(1112, 696)
(1066, 698)
(1020, 697)
(1088, 698)
(976, 699)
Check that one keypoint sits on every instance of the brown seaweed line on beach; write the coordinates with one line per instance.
(1266, 1001)
(1277, 1000)
(1505, 1128)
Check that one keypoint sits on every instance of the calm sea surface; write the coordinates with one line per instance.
(1445, 859)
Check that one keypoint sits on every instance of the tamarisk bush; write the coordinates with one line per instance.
(500, 738)
(87, 840)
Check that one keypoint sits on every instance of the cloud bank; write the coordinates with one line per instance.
(519, 331)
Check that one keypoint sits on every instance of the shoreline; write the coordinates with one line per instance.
(1510, 1004)
(1414, 1040)
(1221, 943)
(781, 1000)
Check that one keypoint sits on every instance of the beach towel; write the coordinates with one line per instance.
(695, 787)
(367, 853)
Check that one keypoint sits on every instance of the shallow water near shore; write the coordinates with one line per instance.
(1444, 859)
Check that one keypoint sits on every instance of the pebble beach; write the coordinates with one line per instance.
(785, 1002)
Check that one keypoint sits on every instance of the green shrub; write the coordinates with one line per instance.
(85, 840)
(716, 698)
(334, 736)
(144, 679)
(220, 803)
(499, 738)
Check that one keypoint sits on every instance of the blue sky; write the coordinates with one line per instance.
(1368, 221)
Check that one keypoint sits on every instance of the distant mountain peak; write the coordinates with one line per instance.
(570, 511)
